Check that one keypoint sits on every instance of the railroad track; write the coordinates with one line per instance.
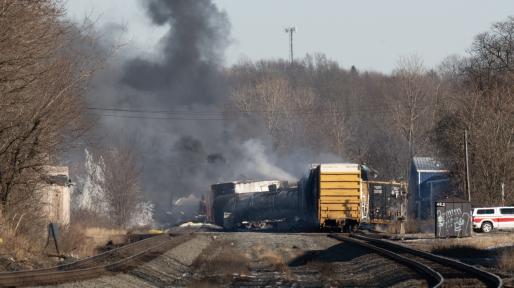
(437, 270)
(116, 260)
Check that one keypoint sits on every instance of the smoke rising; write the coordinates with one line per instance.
(182, 156)
(188, 69)
(259, 161)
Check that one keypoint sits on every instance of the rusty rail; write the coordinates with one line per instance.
(381, 246)
(490, 279)
(434, 278)
(111, 261)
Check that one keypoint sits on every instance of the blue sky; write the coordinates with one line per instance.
(371, 35)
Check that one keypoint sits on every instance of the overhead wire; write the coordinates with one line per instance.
(223, 115)
(220, 115)
(152, 111)
(158, 118)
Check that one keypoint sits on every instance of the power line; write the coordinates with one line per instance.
(153, 111)
(221, 115)
(344, 109)
(158, 118)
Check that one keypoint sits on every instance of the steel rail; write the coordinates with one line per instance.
(490, 279)
(92, 260)
(108, 255)
(434, 278)
(54, 275)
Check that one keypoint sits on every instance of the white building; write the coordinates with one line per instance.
(56, 195)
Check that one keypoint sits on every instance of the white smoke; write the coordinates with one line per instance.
(258, 160)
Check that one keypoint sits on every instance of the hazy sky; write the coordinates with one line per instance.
(371, 35)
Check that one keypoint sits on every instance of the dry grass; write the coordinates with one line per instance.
(29, 246)
(18, 246)
(25, 249)
(393, 228)
(87, 218)
(478, 241)
(73, 242)
(22, 243)
(102, 235)
(495, 246)
(481, 248)
(268, 256)
(222, 260)
(419, 226)
(90, 231)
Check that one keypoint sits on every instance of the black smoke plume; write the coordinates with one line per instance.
(180, 154)
(188, 69)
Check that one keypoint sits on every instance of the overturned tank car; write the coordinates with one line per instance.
(329, 197)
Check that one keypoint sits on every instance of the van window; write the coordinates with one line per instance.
(507, 210)
(485, 211)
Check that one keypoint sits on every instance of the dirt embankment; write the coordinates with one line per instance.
(260, 260)
(293, 260)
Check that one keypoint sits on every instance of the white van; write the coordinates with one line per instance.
(488, 218)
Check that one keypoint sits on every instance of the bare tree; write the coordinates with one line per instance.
(413, 98)
(122, 183)
(492, 55)
(268, 99)
(481, 101)
(272, 94)
(488, 116)
(299, 119)
(336, 119)
(41, 79)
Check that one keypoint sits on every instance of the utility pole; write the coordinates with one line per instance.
(503, 194)
(290, 31)
(468, 186)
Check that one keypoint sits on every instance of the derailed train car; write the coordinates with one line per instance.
(225, 197)
(274, 206)
(386, 201)
(330, 197)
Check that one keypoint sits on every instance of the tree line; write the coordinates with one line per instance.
(384, 120)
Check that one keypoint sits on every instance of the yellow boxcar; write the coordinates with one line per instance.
(340, 195)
